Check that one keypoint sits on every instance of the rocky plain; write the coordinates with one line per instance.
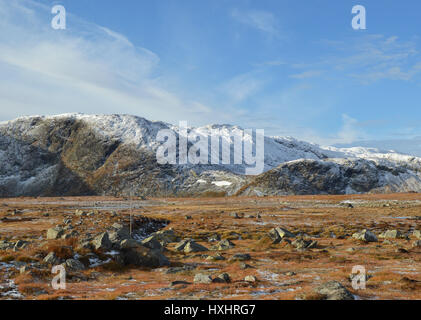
(273, 247)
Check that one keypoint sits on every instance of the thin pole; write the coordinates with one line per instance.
(131, 215)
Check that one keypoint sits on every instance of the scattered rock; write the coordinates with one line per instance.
(222, 278)
(79, 213)
(250, 279)
(176, 283)
(334, 290)
(202, 278)
(244, 266)
(102, 241)
(391, 234)
(184, 268)
(216, 257)
(144, 257)
(54, 233)
(417, 234)
(74, 265)
(277, 234)
(52, 259)
(214, 238)
(166, 236)
(416, 244)
(128, 244)
(224, 245)
(241, 257)
(152, 243)
(20, 245)
(189, 245)
(365, 235)
(304, 244)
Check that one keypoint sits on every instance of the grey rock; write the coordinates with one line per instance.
(74, 265)
(391, 234)
(216, 257)
(128, 244)
(202, 278)
(365, 235)
(144, 257)
(54, 233)
(79, 213)
(250, 279)
(188, 246)
(223, 245)
(304, 244)
(222, 278)
(102, 241)
(277, 234)
(241, 257)
(334, 290)
(152, 243)
(52, 259)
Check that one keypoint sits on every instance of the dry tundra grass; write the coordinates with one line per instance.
(282, 271)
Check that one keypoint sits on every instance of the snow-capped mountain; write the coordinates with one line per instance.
(76, 154)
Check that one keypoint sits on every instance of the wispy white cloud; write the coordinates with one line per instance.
(306, 74)
(261, 20)
(243, 86)
(85, 68)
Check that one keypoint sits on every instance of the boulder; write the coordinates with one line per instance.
(250, 279)
(333, 290)
(417, 234)
(129, 244)
(189, 245)
(216, 257)
(223, 245)
(304, 244)
(102, 241)
(79, 213)
(365, 235)
(52, 259)
(202, 278)
(144, 257)
(277, 234)
(391, 234)
(223, 278)
(54, 233)
(152, 243)
(74, 265)
(166, 236)
(241, 257)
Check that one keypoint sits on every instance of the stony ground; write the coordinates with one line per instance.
(301, 247)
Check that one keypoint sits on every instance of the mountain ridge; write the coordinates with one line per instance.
(77, 154)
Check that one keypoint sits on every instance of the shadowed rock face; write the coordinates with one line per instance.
(69, 156)
(333, 176)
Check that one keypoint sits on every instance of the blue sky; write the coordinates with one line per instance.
(290, 67)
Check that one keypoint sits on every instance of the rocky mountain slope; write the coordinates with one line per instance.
(75, 154)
